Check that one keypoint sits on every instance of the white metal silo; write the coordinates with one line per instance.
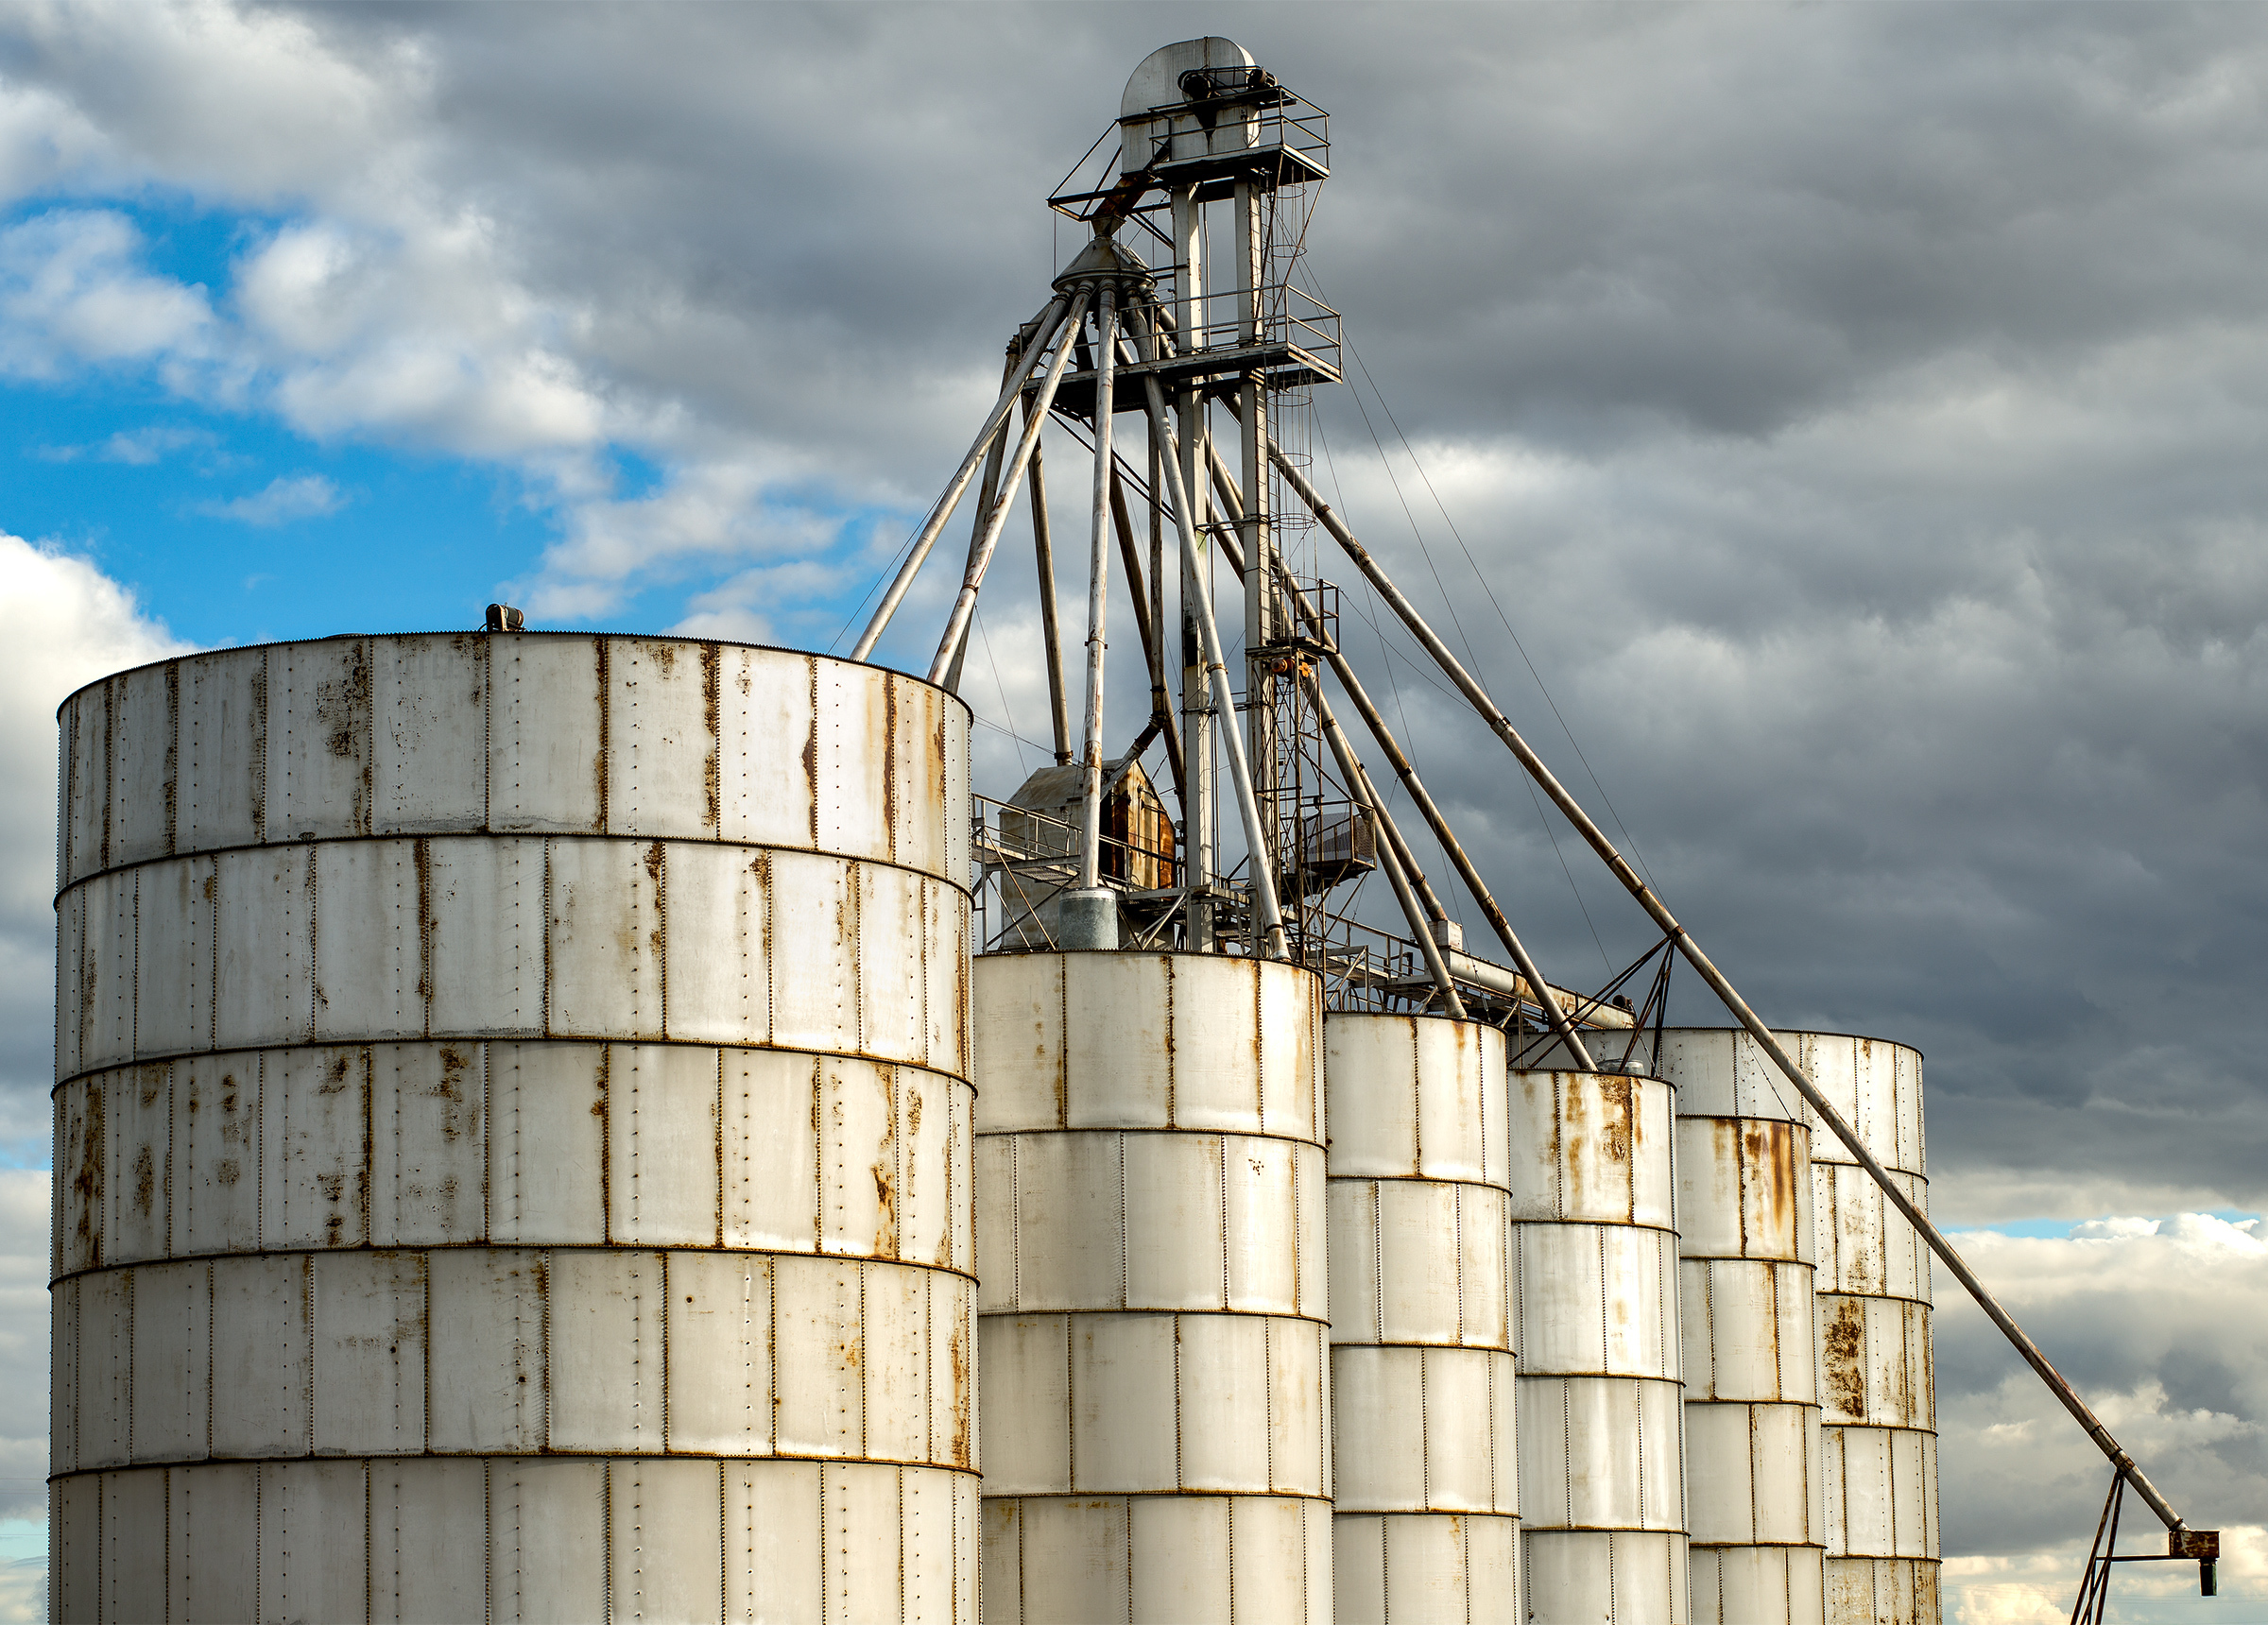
(1877, 1387)
(1426, 1529)
(1151, 1242)
(1602, 1473)
(513, 1143)
(1745, 1242)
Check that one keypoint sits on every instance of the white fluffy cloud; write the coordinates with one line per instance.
(2156, 1323)
(62, 623)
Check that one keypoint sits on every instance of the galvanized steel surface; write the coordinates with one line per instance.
(513, 1085)
(1153, 1315)
(1752, 1473)
(1423, 1380)
(1602, 1455)
(1877, 1481)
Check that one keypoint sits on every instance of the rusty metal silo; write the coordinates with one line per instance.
(1879, 1438)
(1150, 1188)
(513, 1138)
(1602, 1468)
(1423, 1380)
(1745, 1245)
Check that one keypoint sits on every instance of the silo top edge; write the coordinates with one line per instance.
(1806, 1032)
(477, 632)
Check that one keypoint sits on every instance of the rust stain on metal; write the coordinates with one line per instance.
(173, 751)
(713, 711)
(342, 714)
(86, 1173)
(889, 761)
(422, 855)
(459, 1118)
(811, 751)
(598, 759)
(1843, 1355)
(1771, 1162)
(1618, 1131)
(957, 1348)
(259, 751)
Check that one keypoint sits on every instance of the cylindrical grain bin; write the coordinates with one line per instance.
(1150, 1237)
(1745, 1279)
(1602, 1472)
(1426, 1524)
(513, 1151)
(1879, 1440)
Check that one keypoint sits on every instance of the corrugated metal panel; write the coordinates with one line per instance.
(436, 733)
(564, 1350)
(1733, 1584)
(1884, 1590)
(1173, 1560)
(398, 1154)
(1604, 1575)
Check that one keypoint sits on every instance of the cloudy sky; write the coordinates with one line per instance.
(1860, 414)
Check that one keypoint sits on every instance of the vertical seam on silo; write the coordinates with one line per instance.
(1172, 1064)
(1259, 1049)
(1177, 1476)
(307, 1306)
(546, 929)
(1425, 1435)
(1125, 1242)
(771, 1354)
(1456, 1210)
(1267, 1365)
(128, 1282)
(1299, 1295)
(865, 1354)
(1377, 1251)
(487, 1541)
(1385, 1572)
(1220, 1195)
(662, 928)
(109, 762)
(1014, 1221)
(898, 1474)
(605, 1536)
(133, 995)
(543, 1334)
(663, 1335)
(315, 970)
(719, 1124)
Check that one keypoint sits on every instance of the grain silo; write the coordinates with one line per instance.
(517, 1157)
(1151, 1224)
(1423, 1380)
(1602, 1459)
(1878, 1439)
(1745, 1284)
(514, 1139)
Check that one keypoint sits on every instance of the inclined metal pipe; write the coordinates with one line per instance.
(986, 492)
(1044, 328)
(1725, 990)
(1407, 772)
(963, 605)
(1098, 595)
(1224, 697)
(1358, 782)
(1043, 553)
(1146, 624)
